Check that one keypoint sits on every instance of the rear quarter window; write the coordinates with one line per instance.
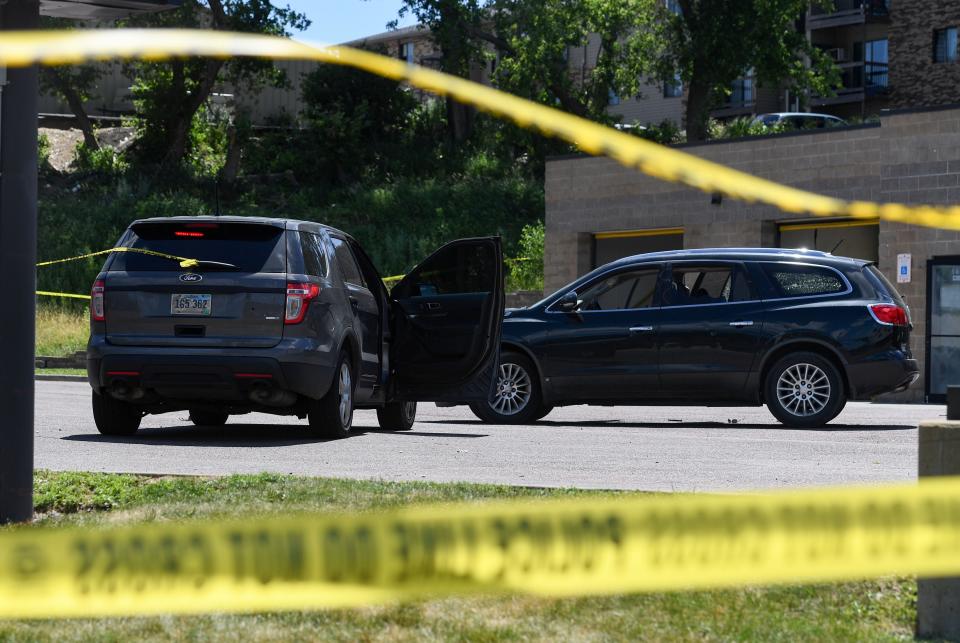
(791, 280)
(229, 247)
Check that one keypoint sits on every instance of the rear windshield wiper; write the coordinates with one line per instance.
(215, 264)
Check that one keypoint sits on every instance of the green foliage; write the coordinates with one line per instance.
(526, 269)
(43, 152)
(666, 132)
(743, 126)
(105, 161)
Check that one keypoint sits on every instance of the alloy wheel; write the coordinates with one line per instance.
(803, 389)
(513, 390)
(346, 396)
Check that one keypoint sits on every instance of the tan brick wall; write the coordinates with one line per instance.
(912, 158)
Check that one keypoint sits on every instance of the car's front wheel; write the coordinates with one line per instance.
(397, 416)
(115, 417)
(332, 415)
(516, 396)
(804, 390)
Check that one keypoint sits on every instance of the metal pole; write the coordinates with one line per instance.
(18, 251)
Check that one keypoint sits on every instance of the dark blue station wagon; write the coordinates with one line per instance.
(799, 331)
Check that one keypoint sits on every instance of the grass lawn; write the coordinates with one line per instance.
(61, 331)
(863, 611)
(62, 371)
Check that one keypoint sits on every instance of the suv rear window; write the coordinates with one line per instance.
(232, 247)
(793, 280)
(884, 283)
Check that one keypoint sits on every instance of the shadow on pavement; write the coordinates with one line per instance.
(240, 435)
(691, 425)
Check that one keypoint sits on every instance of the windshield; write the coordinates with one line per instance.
(233, 247)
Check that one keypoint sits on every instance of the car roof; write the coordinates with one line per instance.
(748, 254)
(287, 224)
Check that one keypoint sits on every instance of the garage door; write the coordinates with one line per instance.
(858, 238)
(609, 246)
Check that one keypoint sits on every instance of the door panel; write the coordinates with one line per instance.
(447, 315)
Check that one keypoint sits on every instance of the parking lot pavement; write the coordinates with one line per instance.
(648, 448)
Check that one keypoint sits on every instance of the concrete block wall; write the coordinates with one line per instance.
(912, 157)
(914, 78)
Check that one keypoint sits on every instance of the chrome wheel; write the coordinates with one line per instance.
(803, 389)
(345, 396)
(513, 390)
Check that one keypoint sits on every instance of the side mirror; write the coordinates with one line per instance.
(568, 303)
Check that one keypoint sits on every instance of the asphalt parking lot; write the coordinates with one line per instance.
(648, 448)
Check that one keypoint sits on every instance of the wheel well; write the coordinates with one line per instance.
(350, 348)
(516, 348)
(809, 347)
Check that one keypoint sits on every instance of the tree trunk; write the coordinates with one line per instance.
(231, 166)
(76, 106)
(459, 120)
(698, 110)
(181, 125)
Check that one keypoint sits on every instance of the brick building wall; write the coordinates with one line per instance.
(914, 78)
(911, 157)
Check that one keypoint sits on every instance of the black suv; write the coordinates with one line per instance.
(799, 331)
(227, 315)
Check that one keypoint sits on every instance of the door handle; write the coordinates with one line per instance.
(640, 329)
(354, 302)
(741, 324)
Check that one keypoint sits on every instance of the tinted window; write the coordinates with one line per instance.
(457, 269)
(697, 285)
(233, 247)
(884, 283)
(798, 281)
(314, 258)
(625, 290)
(351, 271)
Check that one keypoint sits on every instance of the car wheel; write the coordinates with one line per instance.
(516, 396)
(397, 416)
(115, 417)
(804, 390)
(332, 415)
(208, 418)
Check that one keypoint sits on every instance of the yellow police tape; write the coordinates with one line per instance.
(183, 261)
(65, 47)
(67, 295)
(549, 548)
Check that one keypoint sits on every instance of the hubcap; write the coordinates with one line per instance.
(512, 393)
(803, 390)
(346, 396)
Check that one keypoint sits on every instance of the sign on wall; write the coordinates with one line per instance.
(903, 269)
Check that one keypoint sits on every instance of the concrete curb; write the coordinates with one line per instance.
(60, 378)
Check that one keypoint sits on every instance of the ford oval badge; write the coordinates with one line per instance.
(191, 277)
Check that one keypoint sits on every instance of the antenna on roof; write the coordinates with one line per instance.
(216, 197)
(837, 246)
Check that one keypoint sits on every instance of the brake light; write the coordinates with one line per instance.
(187, 233)
(298, 297)
(96, 300)
(889, 314)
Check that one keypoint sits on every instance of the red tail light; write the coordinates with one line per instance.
(298, 298)
(96, 301)
(188, 233)
(889, 314)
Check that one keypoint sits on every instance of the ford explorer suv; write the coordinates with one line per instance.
(222, 316)
(799, 331)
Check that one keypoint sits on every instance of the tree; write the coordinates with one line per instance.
(169, 95)
(711, 43)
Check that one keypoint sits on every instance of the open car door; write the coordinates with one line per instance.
(447, 316)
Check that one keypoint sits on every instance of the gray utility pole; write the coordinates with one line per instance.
(18, 258)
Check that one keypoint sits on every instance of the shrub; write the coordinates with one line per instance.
(526, 269)
(43, 152)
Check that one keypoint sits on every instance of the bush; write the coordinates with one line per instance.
(43, 153)
(105, 161)
(526, 269)
(666, 132)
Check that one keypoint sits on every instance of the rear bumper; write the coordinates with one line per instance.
(227, 375)
(891, 373)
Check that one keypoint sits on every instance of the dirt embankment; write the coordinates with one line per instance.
(63, 143)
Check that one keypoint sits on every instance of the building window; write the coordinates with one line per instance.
(741, 92)
(406, 52)
(673, 88)
(945, 45)
(875, 56)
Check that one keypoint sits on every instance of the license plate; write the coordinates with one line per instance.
(190, 304)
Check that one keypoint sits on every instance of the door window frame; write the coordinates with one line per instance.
(945, 260)
(356, 264)
(734, 265)
(658, 292)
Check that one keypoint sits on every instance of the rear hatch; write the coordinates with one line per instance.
(233, 297)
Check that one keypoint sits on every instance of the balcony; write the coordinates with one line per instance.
(859, 81)
(848, 12)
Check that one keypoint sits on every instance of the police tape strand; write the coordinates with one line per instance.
(66, 47)
(588, 546)
(183, 261)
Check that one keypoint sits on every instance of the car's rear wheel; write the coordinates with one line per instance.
(397, 416)
(115, 417)
(516, 396)
(208, 418)
(804, 390)
(332, 415)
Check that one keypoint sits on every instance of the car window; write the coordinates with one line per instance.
(229, 247)
(697, 285)
(455, 269)
(314, 257)
(347, 262)
(798, 281)
(625, 290)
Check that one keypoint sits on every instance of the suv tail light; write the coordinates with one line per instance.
(889, 314)
(298, 297)
(96, 300)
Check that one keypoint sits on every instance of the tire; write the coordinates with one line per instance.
(332, 415)
(516, 398)
(208, 418)
(397, 416)
(115, 417)
(804, 390)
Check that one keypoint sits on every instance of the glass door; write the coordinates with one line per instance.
(943, 326)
